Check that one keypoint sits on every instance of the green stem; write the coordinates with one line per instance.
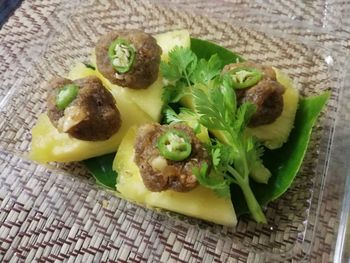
(187, 79)
(235, 174)
(253, 205)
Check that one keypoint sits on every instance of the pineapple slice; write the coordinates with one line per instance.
(49, 145)
(274, 135)
(167, 41)
(201, 202)
(80, 70)
(148, 100)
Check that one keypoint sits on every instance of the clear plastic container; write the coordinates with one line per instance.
(310, 55)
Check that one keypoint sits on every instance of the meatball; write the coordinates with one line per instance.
(157, 172)
(92, 115)
(145, 67)
(267, 96)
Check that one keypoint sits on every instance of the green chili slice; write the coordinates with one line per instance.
(121, 54)
(245, 77)
(174, 145)
(66, 95)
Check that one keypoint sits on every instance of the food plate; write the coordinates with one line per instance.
(290, 218)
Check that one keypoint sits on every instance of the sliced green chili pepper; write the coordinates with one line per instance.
(121, 54)
(174, 145)
(245, 77)
(66, 95)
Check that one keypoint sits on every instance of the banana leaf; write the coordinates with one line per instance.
(101, 169)
(284, 163)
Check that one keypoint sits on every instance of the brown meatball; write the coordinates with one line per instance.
(91, 116)
(268, 72)
(267, 96)
(144, 70)
(159, 174)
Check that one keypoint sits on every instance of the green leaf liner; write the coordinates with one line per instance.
(284, 163)
(205, 49)
(101, 169)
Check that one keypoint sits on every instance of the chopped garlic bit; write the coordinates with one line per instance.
(118, 76)
(72, 116)
(159, 163)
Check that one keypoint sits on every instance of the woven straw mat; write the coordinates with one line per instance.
(56, 212)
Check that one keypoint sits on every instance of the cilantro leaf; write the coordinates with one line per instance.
(244, 113)
(185, 115)
(259, 173)
(182, 62)
(216, 156)
(173, 94)
(217, 184)
(209, 111)
(183, 71)
(234, 159)
(221, 156)
(170, 72)
(171, 116)
(207, 70)
(216, 108)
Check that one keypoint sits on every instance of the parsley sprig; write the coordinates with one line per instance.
(236, 156)
(184, 70)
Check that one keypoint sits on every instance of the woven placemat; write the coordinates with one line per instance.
(42, 218)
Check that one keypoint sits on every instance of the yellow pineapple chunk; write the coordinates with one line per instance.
(80, 71)
(148, 100)
(167, 41)
(201, 202)
(49, 145)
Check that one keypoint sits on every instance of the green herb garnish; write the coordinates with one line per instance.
(185, 115)
(184, 70)
(121, 54)
(234, 159)
(216, 107)
(66, 95)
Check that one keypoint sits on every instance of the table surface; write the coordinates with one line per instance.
(30, 20)
(7, 7)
